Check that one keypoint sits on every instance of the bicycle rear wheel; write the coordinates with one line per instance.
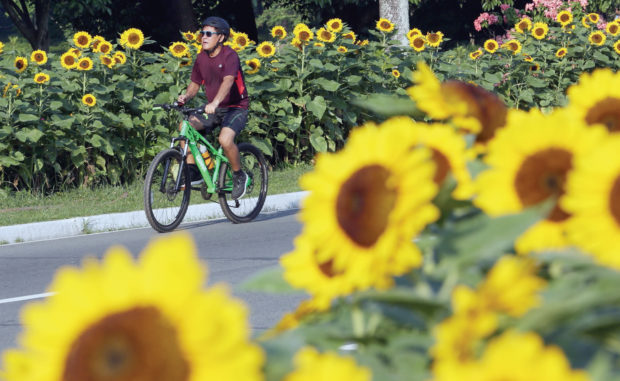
(247, 207)
(165, 206)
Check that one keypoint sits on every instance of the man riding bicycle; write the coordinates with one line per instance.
(218, 69)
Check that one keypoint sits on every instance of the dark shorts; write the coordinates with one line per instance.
(231, 117)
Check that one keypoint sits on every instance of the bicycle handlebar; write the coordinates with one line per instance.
(178, 107)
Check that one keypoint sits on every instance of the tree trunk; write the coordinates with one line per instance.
(397, 11)
(185, 15)
(36, 32)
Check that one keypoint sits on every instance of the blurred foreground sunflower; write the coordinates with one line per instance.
(312, 365)
(528, 163)
(593, 198)
(596, 99)
(121, 320)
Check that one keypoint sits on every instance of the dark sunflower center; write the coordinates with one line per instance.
(543, 175)
(597, 38)
(513, 46)
(442, 166)
(82, 40)
(133, 38)
(69, 60)
(418, 42)
(564, 17)
(253, 65)
(433, 38)
(279, 32)
(138, 344)
(614, 200)
(84, 64)
(364, 205)
(348, 36)
(105, 48)
(19, 64)
(522, 26)
(385, 25)
(613, 29)
(539, 31)
(304, 35)
(326, 35)
(606, 112)
(38, 57)
(335, 25)
(179, 48)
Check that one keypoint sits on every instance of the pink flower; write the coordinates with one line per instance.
(503, 7)
(529, 7)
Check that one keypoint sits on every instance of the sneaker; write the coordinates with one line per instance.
(240, 183)
(195, 175)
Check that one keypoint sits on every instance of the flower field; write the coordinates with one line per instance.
(465, 226)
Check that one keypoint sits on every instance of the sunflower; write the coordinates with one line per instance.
(107, 60)
(491, 46)
(395, 73)
(584, 21)
(528, 163)
(613, 28)
(364, 220)
(41, 78)
(535, 67)
(179, 49)
(94, 45)
(20, 63)
(296, 42)
(89, 100)
(448, 149)
(85, 64)
(189, 36)
(185, 62)
(560, 53)
(140, 320)
(524, 354)
(470, 107)
(350, 36)
(1, 46)
(594, 18)
(418, 43)
(241, 39)
(334, 25)
(385, 25)
(325, 35)
(597, 38)
(300, 27)
(596, 99)
(528, 58)
(342, 49)
(434, 38)
(120, 57)
(617, 46)
(278, 32)
(540, 30)
(413, 32)
(593, 198)
(513, 45)
(564, 17)
(319, 45)
(77, 52)
(304, 269)
(82, 40)
(104, 47)
(254, 65)
(132, 38)
(362, 43)
(266, 49)
(304, 35)
(68, 60)
(312, 365)
(524, 25)
(38, 56)
(475, 54)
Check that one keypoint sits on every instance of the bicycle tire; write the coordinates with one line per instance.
(249, 206)
(162, 207)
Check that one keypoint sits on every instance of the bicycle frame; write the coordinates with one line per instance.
(191, 137)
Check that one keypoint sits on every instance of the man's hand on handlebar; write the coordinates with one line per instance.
(182, 99)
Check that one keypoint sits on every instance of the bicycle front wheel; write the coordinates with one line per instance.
(164, 204)
(247, 207)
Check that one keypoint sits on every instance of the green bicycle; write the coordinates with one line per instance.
(167, 186)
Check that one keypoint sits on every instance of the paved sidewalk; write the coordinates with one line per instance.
(117, 221)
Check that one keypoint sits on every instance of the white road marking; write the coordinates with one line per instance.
(27, 297)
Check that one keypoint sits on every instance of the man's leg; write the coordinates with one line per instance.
(240, 178)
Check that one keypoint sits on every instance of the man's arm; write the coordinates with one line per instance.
(191, 92)
(222, 92)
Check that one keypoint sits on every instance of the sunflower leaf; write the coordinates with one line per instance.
(388, 105)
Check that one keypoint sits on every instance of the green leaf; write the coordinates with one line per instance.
(27, 117)
(388, 105)
(327, 84)
(536, 82)
(318, 142)
(317, 106)
(268, 280)
(317, 64)
(263, 145)
(479, 237)
(29, 134)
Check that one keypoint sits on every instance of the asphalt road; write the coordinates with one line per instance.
(232, 253)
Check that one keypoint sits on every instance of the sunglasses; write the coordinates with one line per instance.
(208, 33)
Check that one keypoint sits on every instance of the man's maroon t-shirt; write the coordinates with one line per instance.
(210, 71)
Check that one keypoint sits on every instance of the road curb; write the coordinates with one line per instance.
(69, 227)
